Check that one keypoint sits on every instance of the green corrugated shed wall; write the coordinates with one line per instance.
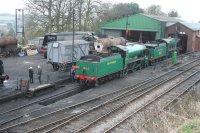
(138, 22)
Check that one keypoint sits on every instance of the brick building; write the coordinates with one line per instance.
(190, 32)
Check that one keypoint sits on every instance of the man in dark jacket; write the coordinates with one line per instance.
(30, 70)
(72, 73)
(1, 68)
(39, 74)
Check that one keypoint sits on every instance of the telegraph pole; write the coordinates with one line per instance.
(16, 22)
(23, 32)
(73, 34)
(126, 27)
(73, 28)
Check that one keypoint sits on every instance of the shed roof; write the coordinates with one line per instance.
(192, 26)
(135, 22)
(164, 19)
(170, 24)
(140, 21)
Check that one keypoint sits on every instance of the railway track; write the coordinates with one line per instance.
(155, 105)
(37, 101)
(134, 102)
(155, 84)
(45, 115)
(57, 111)
(16, 110)
(35, 124)
(170, 102)
(57, 95)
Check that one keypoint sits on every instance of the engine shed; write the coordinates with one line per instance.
(138, 27)
(188, 33)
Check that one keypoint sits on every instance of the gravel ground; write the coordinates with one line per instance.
(113, 85)
(17, 68)
(180, 116)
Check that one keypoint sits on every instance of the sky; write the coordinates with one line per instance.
(9, 6)
(188, 9)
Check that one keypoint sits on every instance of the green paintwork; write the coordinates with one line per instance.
(134, 53)
(135, 57)
(110, 65)
(171, 42)
(135, 50)
(158, 51)
(174, 57)
(137, 22)
(106, 66)
(86, 68)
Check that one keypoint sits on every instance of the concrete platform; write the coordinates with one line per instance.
(9, 91)
(40, 87)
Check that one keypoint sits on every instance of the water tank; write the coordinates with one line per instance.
(4, 41)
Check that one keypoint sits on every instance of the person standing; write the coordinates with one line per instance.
(72, 73)
(39, 74)
(1, 71)
(31, 74)
(1, 68)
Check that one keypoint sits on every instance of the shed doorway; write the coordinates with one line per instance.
(182, 44)
(139, 36)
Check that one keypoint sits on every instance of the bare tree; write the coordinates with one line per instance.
(54, 15)
(107, 11)
(125, 9)
(57, 16)
(59, 11)
(41, 12)
(173, 13)
(155, 10)
(89, 12)
(80, 9)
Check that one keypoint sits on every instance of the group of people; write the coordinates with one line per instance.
(39, 73)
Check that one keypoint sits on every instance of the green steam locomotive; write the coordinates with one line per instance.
(96, 69)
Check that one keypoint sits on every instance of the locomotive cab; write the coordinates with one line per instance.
(157, 51)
